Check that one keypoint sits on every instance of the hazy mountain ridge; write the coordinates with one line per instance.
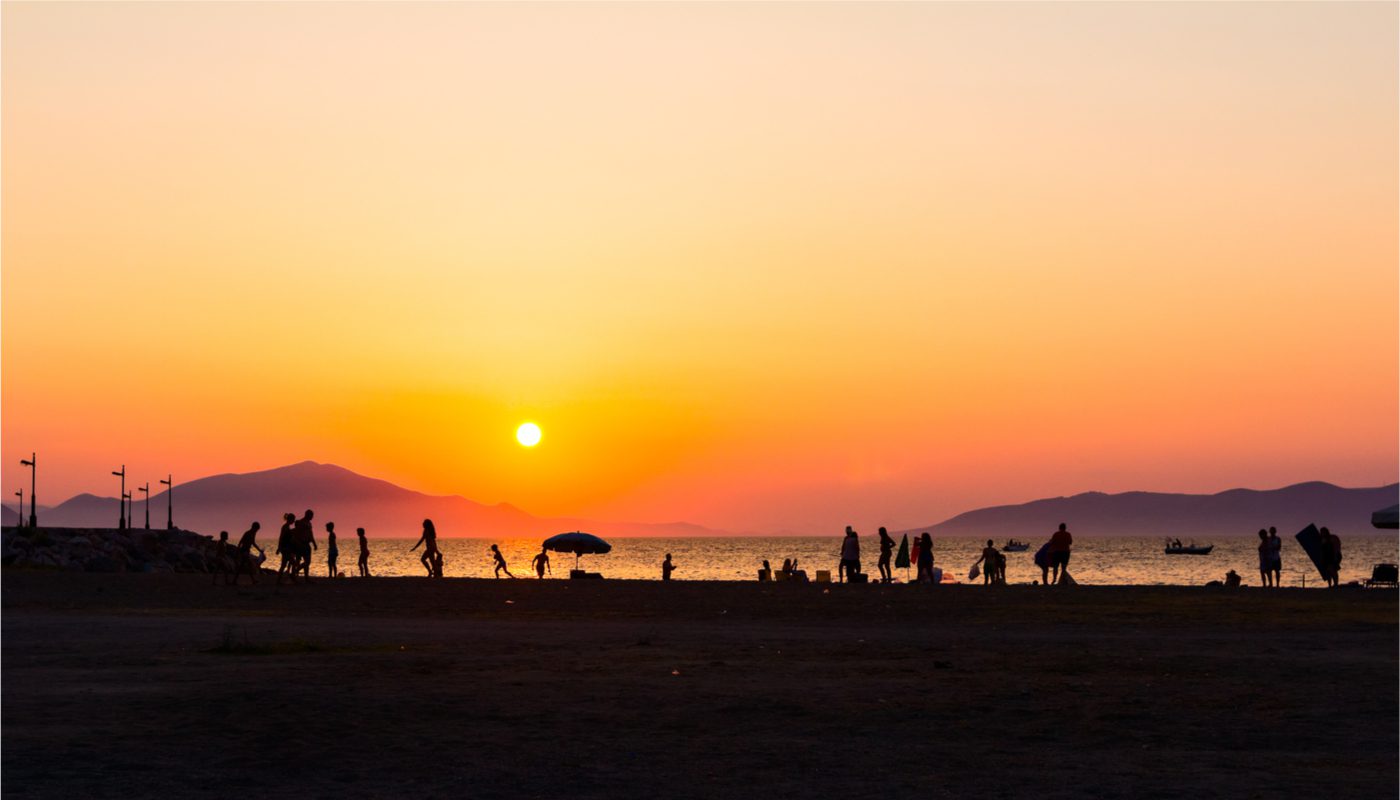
(1138, 513)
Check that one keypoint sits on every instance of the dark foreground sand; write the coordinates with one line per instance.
(161, 685)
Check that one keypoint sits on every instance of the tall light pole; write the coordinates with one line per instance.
(146, 490)
(20, 495)
(126, 497)
(31, 463)
(121, 523)
(169, 503)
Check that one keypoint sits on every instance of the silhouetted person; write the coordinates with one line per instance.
(246, 544)
(305, 537)
(500, 562)
(1332, 556)
(1060, 543)
(667, 568)
(1265, 559)
(925, 573)
(1276, 556)
(364, 552)
(332, 552)
(286, 547)
(437, 564)
(541, 564)
(1232, 580)
(765, 574)
(914, 556)
(430, 548)
(1001, 567)
(221, 565)
(886, 552)
(850, 556)
(988, 560)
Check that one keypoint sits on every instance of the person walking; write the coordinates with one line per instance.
(429, 542)
(220, 565)
(500, 562)
(286, 548)
(364, 552)
(304, 537)
(541, 564)
(886, 553)
(667, 568)
(988, 560)
(244, 557)
(850, 556)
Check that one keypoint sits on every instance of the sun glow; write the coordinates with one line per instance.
(528, 434)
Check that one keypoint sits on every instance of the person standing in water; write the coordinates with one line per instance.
(850, 556)
(364, 552)
(429, 542)
(244, 557)
(500, 562)
(541, 564)
(332, 552)
(667, 568)
(1276, 556)
(886, 552)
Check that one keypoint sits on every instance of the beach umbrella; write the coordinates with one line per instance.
(578, 543)
(901, 559)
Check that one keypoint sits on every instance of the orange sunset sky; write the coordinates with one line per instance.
(758, 266)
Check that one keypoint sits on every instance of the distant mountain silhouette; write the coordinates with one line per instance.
(1237, 511)
(231, 501)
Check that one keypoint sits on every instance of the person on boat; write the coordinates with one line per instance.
(925, 558)
(988, 560)
(1060, 543)
(886, 552)
(429, 542)
(1276, 556)
(364, 552)
(500, 562)
(1264, 558)
(541, 564)
(850, 556)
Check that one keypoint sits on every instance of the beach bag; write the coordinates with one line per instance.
(973, 573)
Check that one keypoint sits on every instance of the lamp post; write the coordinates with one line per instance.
(31, 463)
(20, 495)
(146, 490)
(121, 501)
(126, 497)
(169, 503)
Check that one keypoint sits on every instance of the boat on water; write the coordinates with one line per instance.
(1176, 548)
(1013, 546)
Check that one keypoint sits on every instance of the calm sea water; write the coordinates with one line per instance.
(1099, 560)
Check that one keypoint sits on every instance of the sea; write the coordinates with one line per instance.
(1102, 560)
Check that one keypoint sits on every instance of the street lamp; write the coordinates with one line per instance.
(20, 495)
(33, 460)
(146, 490)
(169, 503)
(127, 497)
(121, 501)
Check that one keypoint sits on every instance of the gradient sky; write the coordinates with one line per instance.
(763, 267)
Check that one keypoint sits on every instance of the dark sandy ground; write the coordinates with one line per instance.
(162, 685)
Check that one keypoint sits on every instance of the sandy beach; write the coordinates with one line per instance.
(141, 685)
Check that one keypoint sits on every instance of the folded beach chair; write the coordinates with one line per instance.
(1384, 575)
(823, 576)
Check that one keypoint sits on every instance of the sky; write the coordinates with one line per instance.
(763, 267)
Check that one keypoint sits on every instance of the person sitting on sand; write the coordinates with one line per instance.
(925, 562)
(500, 562)
(244, 558)
(1060, 543)
(332, 552)
(364, 552)
(1232, 580)
(850, 556)
(430, 548)
(1264, 574)
(988, 560)
(1276, 556)
(667, 568)
(541, 564)
(886, 553)
(287, 549)
(304, 537)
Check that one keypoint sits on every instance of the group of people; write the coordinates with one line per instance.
(295, 544)
(1052, 558)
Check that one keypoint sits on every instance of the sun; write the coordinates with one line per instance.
(528, 434)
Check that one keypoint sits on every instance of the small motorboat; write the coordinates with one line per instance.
(1013, 546)
(1176, 548)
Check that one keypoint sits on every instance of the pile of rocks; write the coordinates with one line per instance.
(106, 550)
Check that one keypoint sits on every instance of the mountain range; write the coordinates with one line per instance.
(230, 501)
